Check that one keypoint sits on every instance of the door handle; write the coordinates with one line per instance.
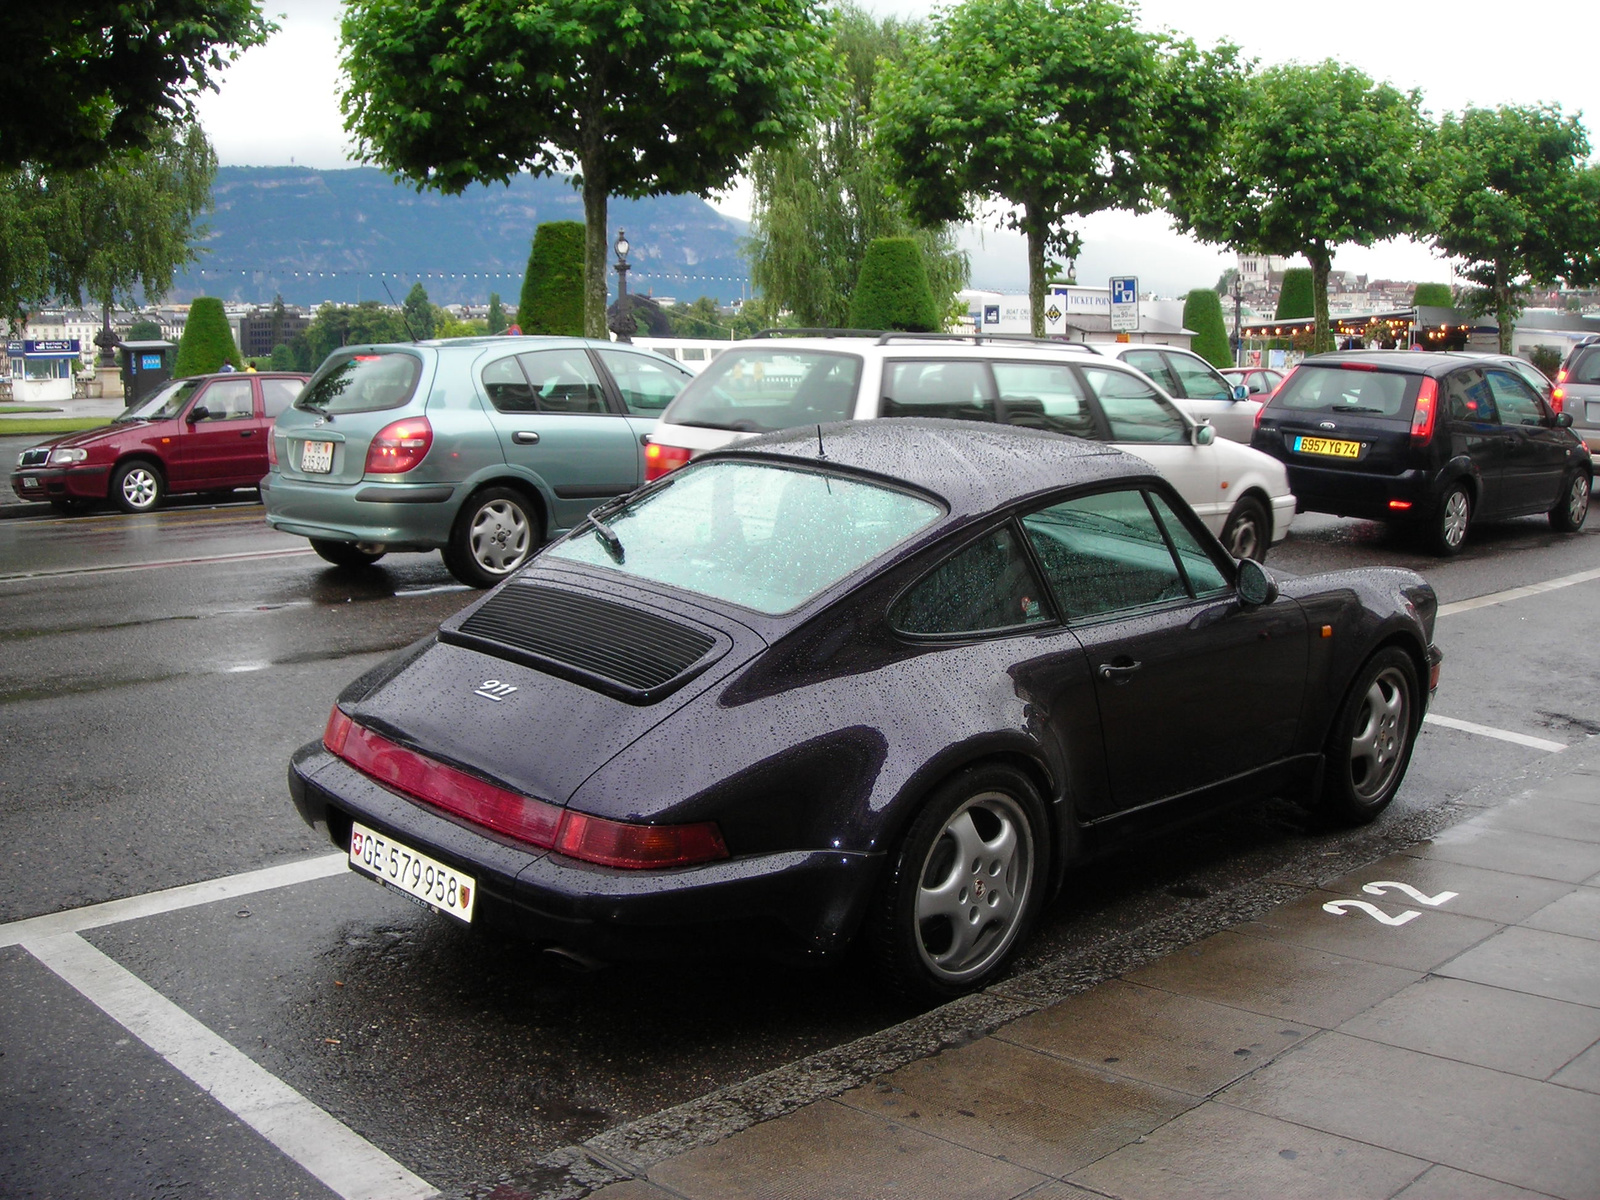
(1113, 673)
(247, 433)
(525, 437)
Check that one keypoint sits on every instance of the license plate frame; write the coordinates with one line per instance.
(316, 458)
(30, 481)
(413, 874)
(1326, 447)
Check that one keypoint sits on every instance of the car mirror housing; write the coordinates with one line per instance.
(198, 413)
(1255, 586)
(1204, 435)
(1563, 420)
(1241, 392)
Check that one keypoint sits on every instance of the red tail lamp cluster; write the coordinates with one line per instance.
(574, 834)
(662, 460)
(399, 446)
(1427, 404)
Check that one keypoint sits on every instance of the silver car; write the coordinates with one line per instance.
(1196, 387)
(1577, 390)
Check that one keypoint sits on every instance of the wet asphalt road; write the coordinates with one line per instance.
(157, 671)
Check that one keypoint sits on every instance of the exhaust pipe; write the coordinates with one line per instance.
(572, 960)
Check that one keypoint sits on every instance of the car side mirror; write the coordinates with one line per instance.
(1240, 392)
(1563, 420)
(1254, 585)
(1204, 435)
(198, 413)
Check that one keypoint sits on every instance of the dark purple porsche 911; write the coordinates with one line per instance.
(877, 681)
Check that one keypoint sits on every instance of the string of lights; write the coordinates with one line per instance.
(403, 276)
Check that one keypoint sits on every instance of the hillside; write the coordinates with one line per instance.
(340, 235)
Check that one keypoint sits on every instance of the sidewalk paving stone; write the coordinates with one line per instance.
(1531, 960)
(1432, 937)
(1494, 895)
(1475, 845)
(1582, 1072)
(1547, 815)
(1445, 1183)
(1576, 913)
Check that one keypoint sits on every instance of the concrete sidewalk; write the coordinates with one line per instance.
(1426, 1027)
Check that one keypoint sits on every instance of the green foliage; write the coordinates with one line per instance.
(108, 233)
(1516, 204)
(1202, 312)
(1059, 108)
(893, 291)
(1547, 359)
(282, 358)
(1224, 283)
(1318, 156)
(700, 319)
(143, 331)
(635, 97)
(819, 202)
(1296, 300)
(552, 289)
(447, 326)
(88, 81)
(758, 314)
(207, 340)
(496, 322)
(364, 324)
(418, 313)
(1432, 295)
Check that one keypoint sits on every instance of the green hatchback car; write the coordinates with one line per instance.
(480, 448)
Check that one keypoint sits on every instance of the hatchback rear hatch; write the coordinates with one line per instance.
(1352, 416)
(327, 434)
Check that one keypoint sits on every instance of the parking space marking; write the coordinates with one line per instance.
(1518, 593)
(199, 560)
(1489, 731)
(345, 1162)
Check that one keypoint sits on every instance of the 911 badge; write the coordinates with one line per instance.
(493, 689)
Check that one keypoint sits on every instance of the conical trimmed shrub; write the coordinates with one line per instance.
(1202, 312)
(1296, 301)
(892, 291)
(207, 340)
(552, 290)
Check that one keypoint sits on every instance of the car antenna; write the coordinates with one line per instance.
(401, 307)
(821, 453)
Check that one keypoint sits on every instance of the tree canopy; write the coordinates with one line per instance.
(1434, 295)
(1296, 300)
(417, 311)
(1057, 108)
(552, 287)
(88, 80)
(1318, 156)
(1516, 204)
(634, 97)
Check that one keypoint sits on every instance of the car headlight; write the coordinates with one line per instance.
(63, 457)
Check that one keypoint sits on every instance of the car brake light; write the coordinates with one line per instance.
(1399, 505)
(1422, 414)
(548, 826)
(272, 449)
(662, 460)
(1561, 375)
(399, 446)
(1557, 399)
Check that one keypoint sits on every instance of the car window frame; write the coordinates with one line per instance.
(1162, 398)
(612, 386)
(1541, 416)
(1202, 367)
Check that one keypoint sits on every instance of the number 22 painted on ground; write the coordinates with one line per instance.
(1340, 907)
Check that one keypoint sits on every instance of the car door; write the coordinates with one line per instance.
(1207, 396)
(1536, 457)
(550, 413)
(1193, 687)
(645, 384)
(1474, 432)
(222, 440)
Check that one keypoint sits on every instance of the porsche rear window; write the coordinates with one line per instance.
(765, 537)
(1341, 389)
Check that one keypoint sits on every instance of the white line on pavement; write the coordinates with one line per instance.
(151, 904)
(1489, 731)
(56, 572)
(347, 1163)
(1519, 593)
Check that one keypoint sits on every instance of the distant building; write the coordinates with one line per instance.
(256, 333)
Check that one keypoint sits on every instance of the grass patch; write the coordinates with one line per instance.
(26, 427)
(25, 408)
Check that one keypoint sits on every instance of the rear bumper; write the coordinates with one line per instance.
(1283, 510)
(414, 516)
(1357, 494)
(793, 904)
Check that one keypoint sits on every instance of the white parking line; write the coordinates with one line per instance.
(1519, 593)
(1489, 731)
(345, 1162)
(57, 572)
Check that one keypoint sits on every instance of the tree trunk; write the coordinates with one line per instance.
(594, 256)
(1321, 263)
(1035, 230)
(1505, 311)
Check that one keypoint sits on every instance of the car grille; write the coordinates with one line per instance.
(37, 457)
(624, 651)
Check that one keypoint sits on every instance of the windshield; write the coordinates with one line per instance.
(760, 389)
(164, 405)
(1343, 389)
(766, 537)
(350, 383)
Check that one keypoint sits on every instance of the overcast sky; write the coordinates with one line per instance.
(279, 104)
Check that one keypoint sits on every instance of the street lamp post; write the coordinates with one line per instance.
(623, 325)
(1238, 322)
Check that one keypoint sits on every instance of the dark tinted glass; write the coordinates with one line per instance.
(1340, 389)
(1468, 399)
(507, 387)
(1585, 366)
(361, 383)
(564, 381)
(1104, 553)
(987, 586)
(1514, 399)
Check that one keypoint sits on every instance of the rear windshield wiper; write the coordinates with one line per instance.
(1342, 408)
(319, 409)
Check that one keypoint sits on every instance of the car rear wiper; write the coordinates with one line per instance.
(320, 410)
(1344, 408)
(608, 537)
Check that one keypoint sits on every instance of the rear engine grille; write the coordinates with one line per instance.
(624, 651)
(35, 458)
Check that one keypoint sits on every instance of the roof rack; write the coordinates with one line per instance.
(774, 333)
(979, 339)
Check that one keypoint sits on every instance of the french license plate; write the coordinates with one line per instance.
(416, 875)
(1329, 446)
(316, 458)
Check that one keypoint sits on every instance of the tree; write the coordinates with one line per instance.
(1318, 157)
(1296, 298)
(88, 81)
(1058, 108)
(282, 358)
(1224, 283)
(108, 234)
(207, 340)
(552, 288)
(496, 322)
(819, 202)
(636, 97)
(1516, 205)
(336, 325)
(893, 292)
(1202, 312)
(417, 312)
(143, 331)
(1432, 295)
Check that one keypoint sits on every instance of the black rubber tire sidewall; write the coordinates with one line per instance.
(1435, 529)
(1339, 802)
(458, 558)
(1249, 506)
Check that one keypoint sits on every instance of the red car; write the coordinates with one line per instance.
(200, 434)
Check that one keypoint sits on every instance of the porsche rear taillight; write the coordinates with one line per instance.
(662, 460)
(1422, 415)
(577, 835)
(399, 446)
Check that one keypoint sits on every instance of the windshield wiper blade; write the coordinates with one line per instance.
(608, 537)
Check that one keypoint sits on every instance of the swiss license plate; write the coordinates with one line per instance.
(1332, 447)
(30, 481)
(416, 875)
(316, 458)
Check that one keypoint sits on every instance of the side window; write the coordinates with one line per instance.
(1587, 368)
(1469, 399)
(647, 385)
(1135, 412)
(1514, 399)
(1205, 579)
(1154, 365)
(960, 391)
(564, 381)
(278, 394)
(1198, 381)
(1044, 396)
(987, 586)
(1103, 554)
(507, 387)
(229, 400)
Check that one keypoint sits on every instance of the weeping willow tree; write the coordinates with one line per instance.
(819, 202)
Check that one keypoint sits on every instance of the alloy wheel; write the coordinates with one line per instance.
(499, 537)
(1378, 741)
(973, 888)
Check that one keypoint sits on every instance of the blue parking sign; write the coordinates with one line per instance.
(1124, 289)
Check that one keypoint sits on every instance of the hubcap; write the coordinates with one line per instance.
(500, 537)
(139, 488)
(1578, 500)
(1381, 730)
(1246, 540)
(974, 886)
(1456, 510)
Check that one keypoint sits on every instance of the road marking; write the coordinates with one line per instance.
(1519, 593)
(1489, 731)
(344, 1161)
(155, 566)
